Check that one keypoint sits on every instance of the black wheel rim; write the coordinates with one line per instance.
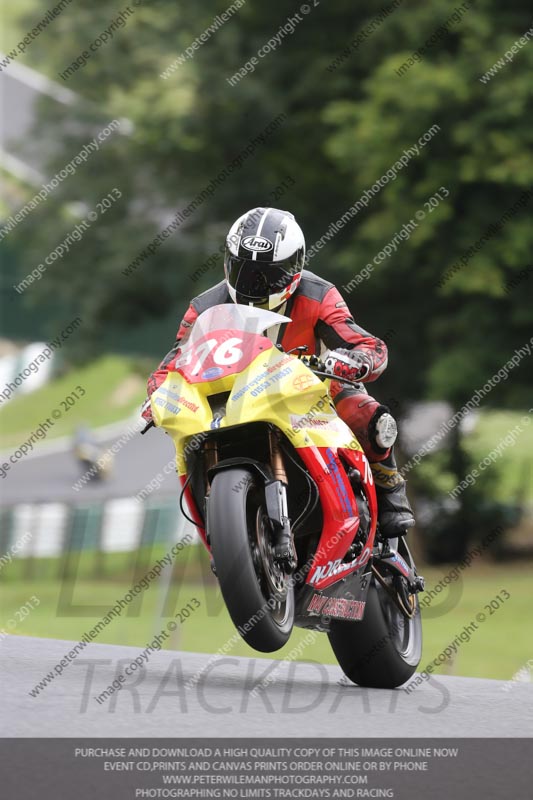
(273, 583)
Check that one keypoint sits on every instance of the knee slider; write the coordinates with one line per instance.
(382, 430)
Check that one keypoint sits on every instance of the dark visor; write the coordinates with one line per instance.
(257, 280)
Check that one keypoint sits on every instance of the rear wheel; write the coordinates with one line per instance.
(258, 595)
(384, 649)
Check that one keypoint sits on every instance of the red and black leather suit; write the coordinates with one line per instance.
(319, 317)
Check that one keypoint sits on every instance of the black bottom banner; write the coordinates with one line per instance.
(127, 769)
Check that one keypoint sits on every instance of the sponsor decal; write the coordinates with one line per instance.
(303, 382)
(402, 565)
(182, 401)
(338, 607)
(329, 569)
(342, 304)
(388, 478)
(258, 244)
(327, 423)
(271, 381)
(267, 372)
(259, 388)
(337, 567)
(159, 401)
(212, 373)
(337, 473)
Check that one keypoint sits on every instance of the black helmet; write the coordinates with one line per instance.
(264, 259)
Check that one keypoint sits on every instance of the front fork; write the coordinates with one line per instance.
(278, 511)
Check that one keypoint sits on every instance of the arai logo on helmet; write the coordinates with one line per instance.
(257, 243)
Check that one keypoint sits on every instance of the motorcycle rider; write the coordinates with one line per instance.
(264, 267)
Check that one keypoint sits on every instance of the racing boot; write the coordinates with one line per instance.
(395, 514)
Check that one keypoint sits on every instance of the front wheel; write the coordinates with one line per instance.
(258, 595)
(384, 649)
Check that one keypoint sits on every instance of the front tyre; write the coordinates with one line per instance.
(258, 595)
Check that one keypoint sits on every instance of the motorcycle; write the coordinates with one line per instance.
(284, 500)
(93, 460)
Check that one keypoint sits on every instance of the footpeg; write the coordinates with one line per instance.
(418, 585)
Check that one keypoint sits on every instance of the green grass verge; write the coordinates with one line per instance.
(509, 476)
(112, 392)
(68, 609)
(514, 467)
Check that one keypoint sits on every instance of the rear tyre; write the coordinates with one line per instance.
(258, 595)
(384, 649)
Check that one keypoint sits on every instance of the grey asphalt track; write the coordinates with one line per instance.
(50, 476)
(302, 699)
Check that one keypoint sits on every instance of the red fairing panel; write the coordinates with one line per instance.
(341, 519)
(219, 354)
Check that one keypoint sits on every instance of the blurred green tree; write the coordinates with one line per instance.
(346, 125)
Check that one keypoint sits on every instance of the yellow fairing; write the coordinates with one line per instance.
(275, 388)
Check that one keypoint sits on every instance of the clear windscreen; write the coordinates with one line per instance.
(231, 316)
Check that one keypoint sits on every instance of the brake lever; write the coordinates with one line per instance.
(327, 376)
(301, 349)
